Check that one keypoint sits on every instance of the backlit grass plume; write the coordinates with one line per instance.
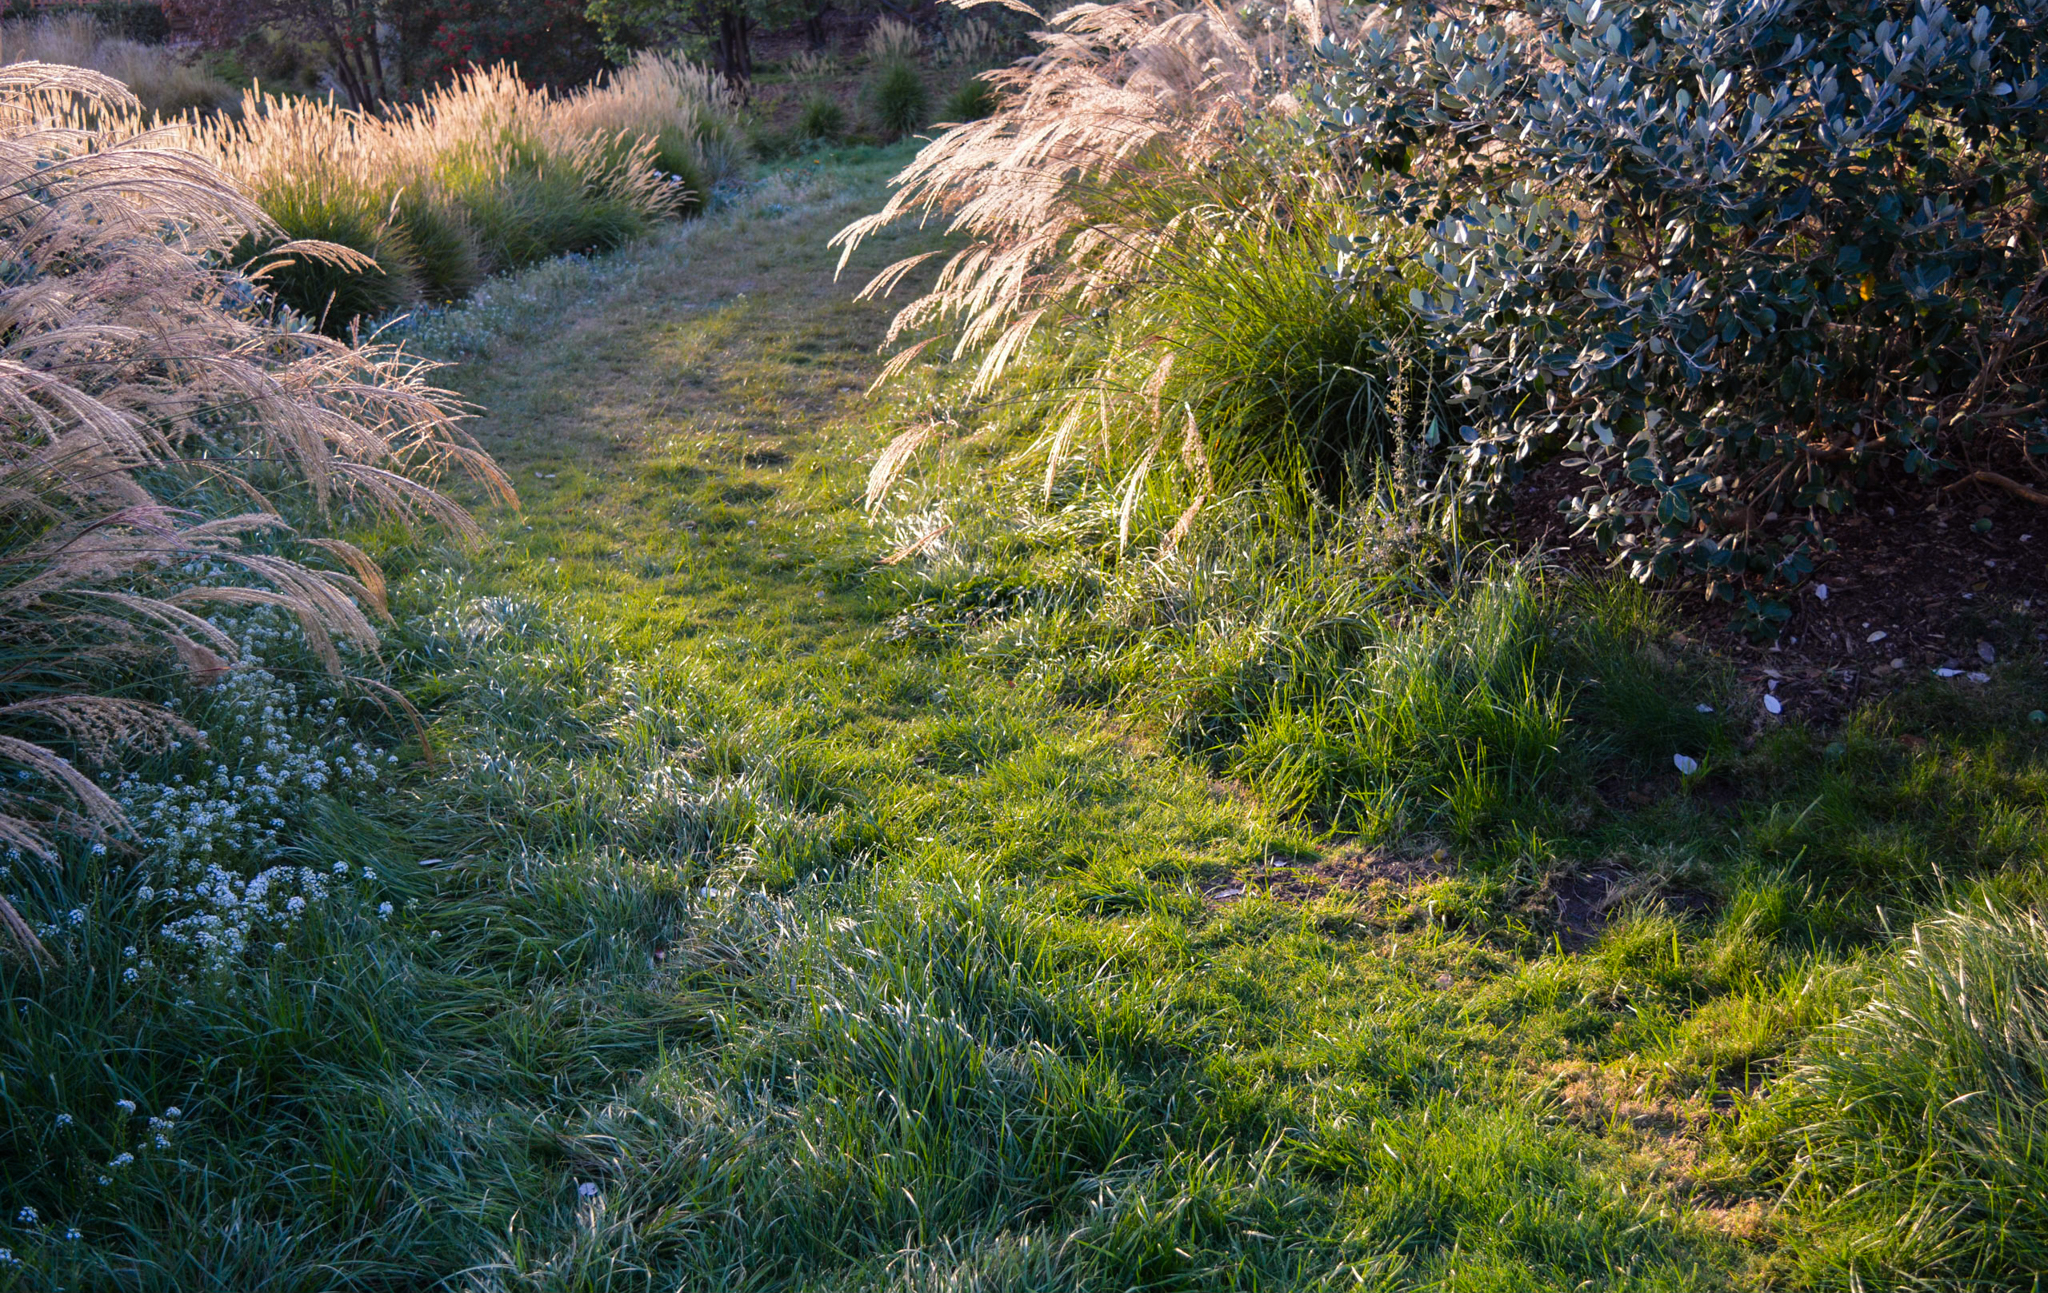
(1121, 98)
(157, 421)
(1142, 165)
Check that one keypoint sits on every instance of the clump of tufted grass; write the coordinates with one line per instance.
(898, 98)
(138, 472)
(1912, 1130)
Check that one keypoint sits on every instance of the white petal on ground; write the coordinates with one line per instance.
(1686, 765)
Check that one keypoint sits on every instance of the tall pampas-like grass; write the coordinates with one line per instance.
(1120, 99)
(485, 174)
(1143, 163)
(135, 368)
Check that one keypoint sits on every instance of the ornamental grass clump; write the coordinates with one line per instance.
(159, 424)
(1734, 260)
(484, 175)
(1143, 166)
(163, 79)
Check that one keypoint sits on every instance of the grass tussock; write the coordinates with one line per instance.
(1136, 201)
(484, 175)
(1118, 94)
(1912, 1129)
(153, 414)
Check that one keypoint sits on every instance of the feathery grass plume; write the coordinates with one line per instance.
(812, 65)
(1120, 97)
(893, 41)
(971, 43)
(135, 368)
(688, 111)
(1141, 161)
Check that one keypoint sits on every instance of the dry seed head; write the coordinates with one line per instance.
(126, 348)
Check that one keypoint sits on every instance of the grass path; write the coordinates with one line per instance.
(767, 917)
(904, 974)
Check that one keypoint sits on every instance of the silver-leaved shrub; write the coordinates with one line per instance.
(1735, 259)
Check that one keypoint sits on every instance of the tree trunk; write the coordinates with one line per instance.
(729, 46)
(814, 25)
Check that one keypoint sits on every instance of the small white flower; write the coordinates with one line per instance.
(76, 915)
(63, 1120)
(1685, 764)
(1704, 708)
(129, 975)
(25, 1217)
(125, 1106)
(384, 910)
(587, 1189)
(73, 1233)
(174, 1113)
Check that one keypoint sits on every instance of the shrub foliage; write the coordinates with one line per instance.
(1737, 258)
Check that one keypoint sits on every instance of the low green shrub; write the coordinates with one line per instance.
(898, 99)
(1796, 255)
(822, 119)
(1913, 1133)
(973, 100)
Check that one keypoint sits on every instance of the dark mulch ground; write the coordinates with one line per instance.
(1917, 583)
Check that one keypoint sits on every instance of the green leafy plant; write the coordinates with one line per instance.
(822, 119)
(973, 100)
(1733, 260)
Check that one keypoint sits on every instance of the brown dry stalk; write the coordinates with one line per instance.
(2006, 483)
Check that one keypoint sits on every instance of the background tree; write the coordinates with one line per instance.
(355, 33)
(724, 27)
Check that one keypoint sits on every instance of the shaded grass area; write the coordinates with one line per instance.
(768, 918)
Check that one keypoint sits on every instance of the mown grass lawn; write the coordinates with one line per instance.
(764, 916)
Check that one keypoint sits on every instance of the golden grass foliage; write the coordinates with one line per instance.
(135, 368)
(164, 80)
(1121, 99)
(520, 173)
(483, 175)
